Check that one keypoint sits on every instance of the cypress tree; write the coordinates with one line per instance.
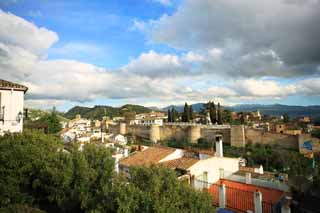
(186, 113)
(213, 113)
(191, 115)
(219, 115)
(169, 116)
(173, 115)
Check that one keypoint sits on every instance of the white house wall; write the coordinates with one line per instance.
(13, 102)
(212, 166)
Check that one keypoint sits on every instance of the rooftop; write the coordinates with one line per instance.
(268, 194)
(7, 85)
(148, 157)
(180, 163)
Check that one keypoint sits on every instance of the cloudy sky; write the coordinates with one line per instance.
(162, 52)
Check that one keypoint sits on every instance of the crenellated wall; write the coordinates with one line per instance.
(235, 135)
(285, 141)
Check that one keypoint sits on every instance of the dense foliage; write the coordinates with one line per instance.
(38, 173)
(98, 112)
(157, 190)
(272, 158)
(52, 121)
(316, 133)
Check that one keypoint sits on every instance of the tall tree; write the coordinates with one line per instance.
(191, 114)
(186, 113)
(213, 113)
(220, 119)
(286, 118)
(174, 114)
(52, 121)
(169, 116)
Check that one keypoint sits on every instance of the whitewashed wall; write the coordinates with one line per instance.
(13, 102)
(212, 166)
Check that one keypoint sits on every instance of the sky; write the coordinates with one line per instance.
(161, 52)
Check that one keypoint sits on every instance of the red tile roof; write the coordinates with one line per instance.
(268, 194)
(148, 157)
(180, 163)
(9, 85)
(240, 195)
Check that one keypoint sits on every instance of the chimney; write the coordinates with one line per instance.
(248, 178)
(219, 146)
(125, 152)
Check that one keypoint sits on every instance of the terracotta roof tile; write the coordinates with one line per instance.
(180, 163)
(268, 194)
(234, 190)
(9, 85)
(148, 157)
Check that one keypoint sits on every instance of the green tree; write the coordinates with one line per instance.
(227, 117)
(213, 113)
(174, 114)
(169, 116)
(186, 113)
(191, 113)
(315, 133)
(156, 189)
(286, 118)
(39, 173)
(52, 121)
(220, 119)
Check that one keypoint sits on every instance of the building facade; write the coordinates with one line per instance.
(11, 106)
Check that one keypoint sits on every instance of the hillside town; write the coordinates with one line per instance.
(190, 143)
(160, 106)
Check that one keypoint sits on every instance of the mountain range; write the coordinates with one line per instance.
(97, 112)
(272, 109)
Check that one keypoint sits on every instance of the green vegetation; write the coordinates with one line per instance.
(316, 133)
(272, 158)
(172, 115)
(98, 112)
(37, 173)
(52, 121)
(185, 144)
(187, 114)
(157, 190)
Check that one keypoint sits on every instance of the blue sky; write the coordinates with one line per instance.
(161, 52)
(102, 24)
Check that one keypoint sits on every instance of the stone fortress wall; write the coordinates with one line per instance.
(235, 135)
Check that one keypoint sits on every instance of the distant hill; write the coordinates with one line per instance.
(97, 112)
(273, 109)
(279, 109)
(35, 114)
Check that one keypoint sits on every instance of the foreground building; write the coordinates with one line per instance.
(189, 165)
(11, 106)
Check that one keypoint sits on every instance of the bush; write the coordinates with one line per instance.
(38, 173)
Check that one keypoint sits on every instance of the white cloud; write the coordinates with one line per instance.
(16, 31)
(164, 2)
(239, 28)
(151, 77)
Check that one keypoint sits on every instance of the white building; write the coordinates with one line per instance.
(11, 106)
(193, 166)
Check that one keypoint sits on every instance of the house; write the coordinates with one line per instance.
(11, 106)
(189, 165)
(119, 139)
(250, 183)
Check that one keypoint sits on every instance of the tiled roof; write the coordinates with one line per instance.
(148, 157)
(268, 194)
(239, 196)
(180, 163)
(9, 85)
